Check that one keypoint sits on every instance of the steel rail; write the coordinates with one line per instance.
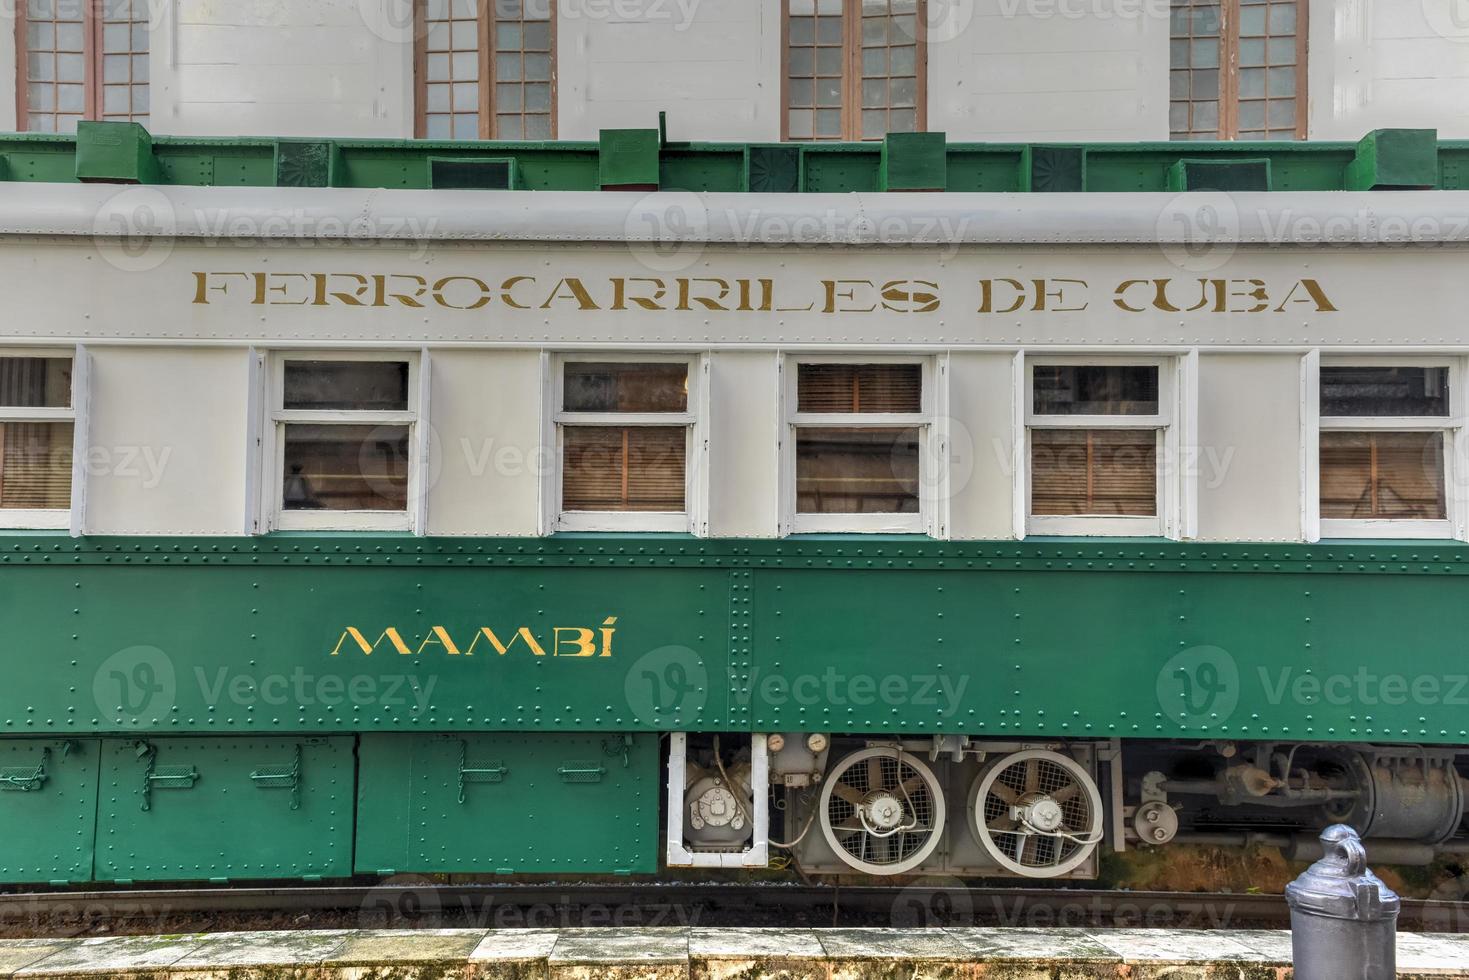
(687, 903)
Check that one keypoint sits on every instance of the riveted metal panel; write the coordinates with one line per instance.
(504, 803)
(48, 809)
(176, 809)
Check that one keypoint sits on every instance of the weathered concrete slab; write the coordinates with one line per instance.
(16, 954)
(770, 954)
(1272, 945)
(113, 956)
(915, 954)
(1040, 954)
(263, 955)
(620, 954)
(513, 954)
(1433, 956)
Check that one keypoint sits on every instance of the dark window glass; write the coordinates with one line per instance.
(35, 465)
(621, 387)
(1385, 391)
(362, 386)
(614, 468)
(1112, 472)
(859, 388)
(345, 467)
(856, 471)
(35, 382)
(1096, 390)
(1368, 475)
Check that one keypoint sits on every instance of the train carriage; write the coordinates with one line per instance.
(378, 508)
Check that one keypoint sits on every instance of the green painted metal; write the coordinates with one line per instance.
(645, 159)
(1226, 176)
(190, 809)
(1395, 159)
(914, 162)
(115, 152)
(655, 633)
(457, 173)
(504, 803)
(48, 808)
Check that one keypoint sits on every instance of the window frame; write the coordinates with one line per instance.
(1229, 41)
(1451, 426)
(273, 445)
(792, 521)
(1165, 423)
(694, 420)
(485, 22)
(93, 86)
(54, 518)
(851, 107)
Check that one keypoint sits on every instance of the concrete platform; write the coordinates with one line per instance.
(701, 954)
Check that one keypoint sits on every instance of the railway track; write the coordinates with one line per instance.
(563, 905)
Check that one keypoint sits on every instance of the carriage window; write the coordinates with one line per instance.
(624, 435)
(858, 431)
(1384, 433)
(343, 431)
(1095, 434)
(37, 427)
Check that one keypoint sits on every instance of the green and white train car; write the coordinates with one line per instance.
(389, 522)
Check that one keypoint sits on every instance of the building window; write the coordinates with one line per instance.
(81, 59)
(37, 435)
(1239, 70)
(344, 441)
(854, 69)
(857, 437)
(1385, 438)
(486, 70)
(624, 432)
(1096, 436)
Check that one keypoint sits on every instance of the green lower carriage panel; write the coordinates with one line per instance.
(503, 804)
(48, 809)
(187, 809)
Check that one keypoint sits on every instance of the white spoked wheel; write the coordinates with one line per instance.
(882, 811)
(1036, 813)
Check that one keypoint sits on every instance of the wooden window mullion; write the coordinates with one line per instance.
(486, 37)
(1228, 69)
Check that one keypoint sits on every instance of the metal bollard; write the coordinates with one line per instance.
(1343, 919)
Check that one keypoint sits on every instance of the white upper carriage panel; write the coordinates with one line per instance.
(965, 366)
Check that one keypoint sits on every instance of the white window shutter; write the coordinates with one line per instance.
(81, 403)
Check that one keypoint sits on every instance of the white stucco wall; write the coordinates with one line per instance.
(282, 68)
(1388, 63)
(713, 65)
(1049, 70)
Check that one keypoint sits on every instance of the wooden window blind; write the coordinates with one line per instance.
(617, 468)
(857, 470)
(854, 69)
(1383, 475)
(1112, 472)
(1238, 69)
(35, 455)
(836, 388)
(81, 59)
(486, 69)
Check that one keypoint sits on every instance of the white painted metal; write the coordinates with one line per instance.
(678, 854)
(248, 215)
(1186, 454)
(255, 394)
(1020, 446)
(1311, 445)
(421, 464)
(81, 403)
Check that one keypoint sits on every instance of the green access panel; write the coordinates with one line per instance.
(186, 809)
(508, 804)
(48, 809)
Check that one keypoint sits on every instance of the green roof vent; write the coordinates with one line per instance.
(1395, 159)
(1053, 169)
(914, 162)
(115, 153)
(627, 160)
(473, 174)
(773, 168)
(305, 163)
(1228, 176)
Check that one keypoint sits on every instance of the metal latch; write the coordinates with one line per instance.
(23, 779)
(495, 772)
(581, 771)
(162, 777)
(282, 777)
